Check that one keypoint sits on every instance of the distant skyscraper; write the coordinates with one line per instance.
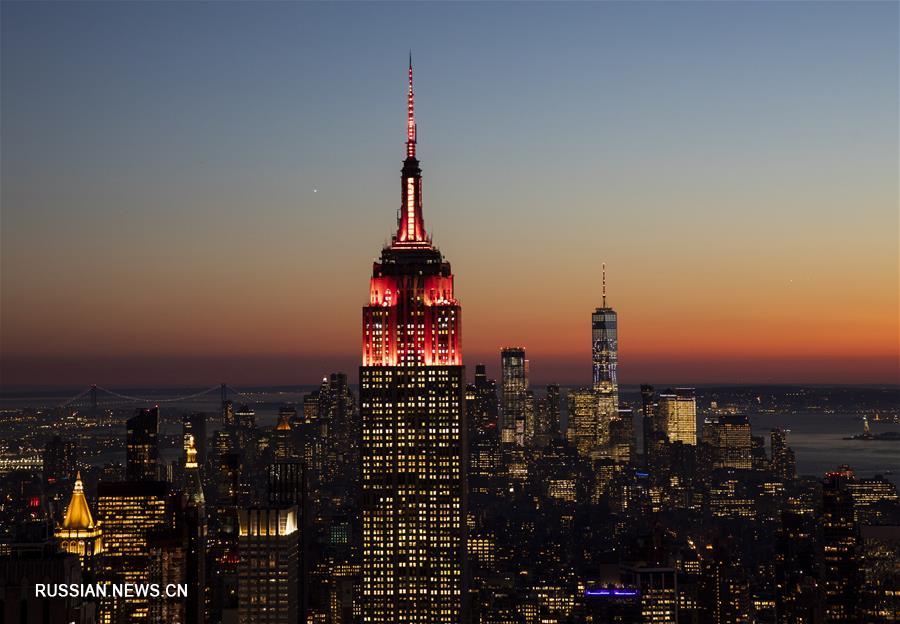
(650, 429)
(129, 511)
(21, 566)
(605, 355)
(268, 581)
(339, 418)
(553, 411)
(484, 434)
(60, 457)
(514, 385)
(286, 484)
(621, 436)
(658, 589)
(412, 386)
(678, 415)
(194, 425)
(840, 542)
(529, 423)
(869, 497)
(730, 441)
(177, 550)
(283, 438)
(228, 417)
(193, 487)
(582, 429)
(142, 440)
(783, 462)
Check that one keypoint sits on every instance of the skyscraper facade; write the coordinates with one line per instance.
(784, 464)
(605, 355)
(678, 415)
(729, 441)
(268, 582)
(483, 434)
(840, 542)
(582, 429)
(553, 410)
(514, 385)
(129, 511)
(412, 386)
(142, 450)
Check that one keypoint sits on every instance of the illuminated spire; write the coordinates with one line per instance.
(604, 284)
(410, 115)
(192, 487)
(78, 514)
(410, 224)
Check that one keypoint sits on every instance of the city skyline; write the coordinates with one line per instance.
(668, 216)
(214, 233)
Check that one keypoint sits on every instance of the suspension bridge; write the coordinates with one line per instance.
(98, 396)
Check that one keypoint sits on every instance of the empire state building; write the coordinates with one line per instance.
(412, 399)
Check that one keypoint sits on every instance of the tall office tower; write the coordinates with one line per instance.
(784, 465)
(268, 582)
(678, 415)
(514, 385)
(79, 534)
(529, 428)
(650, 429)
(729, 439)
(129, 511)
(194, 425)
(311, 406)
(59, 467)
(177, 551)
(412, 386)
(287, 487)
(228, 417)
(553, 411)
(798, 596)
(582, 430)
(286, 484)
(193, 517)
(340, 418)
(840, 537)
(483, 431)
(621, 436)
(604, 351)
(283, 438)
(873, 499)
(760, 459)
(879, 558)
(193, 486)
(542, 427)
(658, 589)
(142, 450)
(25, 564)
(60, 458)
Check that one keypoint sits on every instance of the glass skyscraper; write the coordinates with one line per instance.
(604, 356)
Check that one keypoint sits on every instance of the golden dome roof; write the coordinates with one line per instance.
(283, 424)
(78, 514)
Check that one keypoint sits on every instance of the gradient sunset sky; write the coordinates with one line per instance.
(195, 192)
